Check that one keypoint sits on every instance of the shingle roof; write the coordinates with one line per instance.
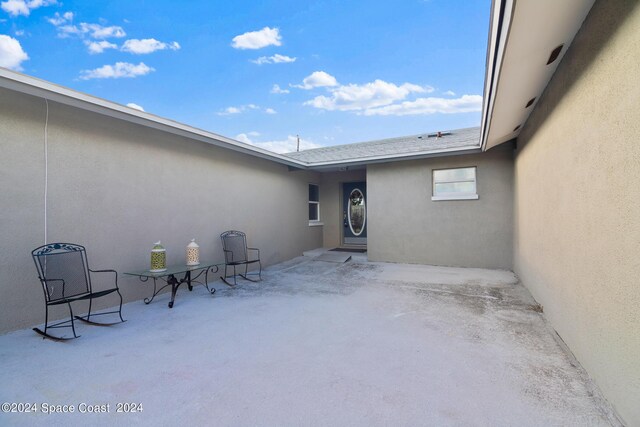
(468, 138)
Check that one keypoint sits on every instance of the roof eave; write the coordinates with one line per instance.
(498, 33)
(527, 42)
(36, 87)
(40, 88)
(363, 161)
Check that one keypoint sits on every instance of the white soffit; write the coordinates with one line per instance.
(530, 31)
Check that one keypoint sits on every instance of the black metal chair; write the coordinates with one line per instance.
(234, 245)
(65, 276)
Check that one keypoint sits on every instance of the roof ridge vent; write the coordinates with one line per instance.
(438, 134)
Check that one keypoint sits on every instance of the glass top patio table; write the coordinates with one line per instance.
(175, 269)
(190, 274)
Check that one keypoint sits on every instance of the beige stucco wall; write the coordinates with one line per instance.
(577, 202)
(331, 203)
(405, 225)
(117, 187)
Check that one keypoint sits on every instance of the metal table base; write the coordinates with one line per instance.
(171, 277)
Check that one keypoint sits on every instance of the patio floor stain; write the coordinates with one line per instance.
(316, 344)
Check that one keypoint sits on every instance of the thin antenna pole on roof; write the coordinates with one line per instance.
(298, 146)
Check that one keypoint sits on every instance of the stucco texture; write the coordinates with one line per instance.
(405, 225)
(117, 187)
(577, 202)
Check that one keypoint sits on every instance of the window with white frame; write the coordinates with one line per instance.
(454, 184)
(314, 204)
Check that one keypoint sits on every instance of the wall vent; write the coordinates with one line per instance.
(554, 54)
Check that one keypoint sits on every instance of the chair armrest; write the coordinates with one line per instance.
(107, 271)
(53, 280)
(255, 249)
(225, 255)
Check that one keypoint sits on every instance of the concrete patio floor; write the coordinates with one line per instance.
(315, 343)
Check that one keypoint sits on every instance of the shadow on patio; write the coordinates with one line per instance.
(315, 343)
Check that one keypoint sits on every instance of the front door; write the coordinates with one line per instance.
(354, 215)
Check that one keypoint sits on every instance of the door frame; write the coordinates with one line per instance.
(342, 210)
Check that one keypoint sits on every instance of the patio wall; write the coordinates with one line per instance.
(405, 225)
(577, 202)
(117, 187)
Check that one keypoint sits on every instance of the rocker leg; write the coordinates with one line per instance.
(46, 319)
(224, 276)
(120, 309)
(73, 327)
(46, 323)
(89, 312)
(45, 334)
(245, 276)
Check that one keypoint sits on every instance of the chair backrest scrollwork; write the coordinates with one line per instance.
(63, 270)
(234, 244)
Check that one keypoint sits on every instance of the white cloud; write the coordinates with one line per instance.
(423, 106)
(68, 30)
(19, 33)
(230, 110)
(278, 89)
(135, 106)
(274, 59)
(23, 7)
(34, 4)
(15, 7)
(145, 46)
(258, 39)
(287, 145)
(388, 99)
(119, 70)
(59, 19)
(241, 109)
(355, 97)
(450, 93)
(253, 133)
(243, 137)
(11, 53)
(99, 47)
(317, 79)
(97, 31)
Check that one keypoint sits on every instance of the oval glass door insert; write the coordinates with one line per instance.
(357, 212)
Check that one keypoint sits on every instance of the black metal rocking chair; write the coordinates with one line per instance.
(65, 275)
(234, 245)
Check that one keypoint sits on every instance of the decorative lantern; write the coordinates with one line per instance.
(193, 253)
(158, 258)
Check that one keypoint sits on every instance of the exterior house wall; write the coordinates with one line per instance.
(405, 225)
(117, 187)
(577, 202)
(331, 203)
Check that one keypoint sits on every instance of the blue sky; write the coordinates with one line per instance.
(346, 71)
